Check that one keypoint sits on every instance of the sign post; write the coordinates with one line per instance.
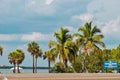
(111, 64)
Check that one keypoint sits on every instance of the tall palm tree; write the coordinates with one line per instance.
(16, 58)
(71, 50)
(35, 51)
(37, 54)
(1, 50)
(90, 36)
(62, 36)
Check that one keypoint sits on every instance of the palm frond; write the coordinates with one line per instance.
(95, 30)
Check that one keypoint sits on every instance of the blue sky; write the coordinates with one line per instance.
(23, 21)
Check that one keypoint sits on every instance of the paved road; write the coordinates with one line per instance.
(63, 76)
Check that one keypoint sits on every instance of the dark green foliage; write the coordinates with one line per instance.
(58, 68)
(77, 65)
(16, 57)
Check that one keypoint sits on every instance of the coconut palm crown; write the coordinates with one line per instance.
(89, 36)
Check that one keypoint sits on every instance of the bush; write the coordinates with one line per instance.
(59, 68)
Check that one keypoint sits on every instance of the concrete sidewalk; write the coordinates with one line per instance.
(62, 76)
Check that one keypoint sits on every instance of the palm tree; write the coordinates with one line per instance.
(51, 55)
(11, 58)
(90, 36)
(1, 50)
(16, 58)
(19, 60)
(35, 51)
(62, 36)
(71, 50)
(37, 54)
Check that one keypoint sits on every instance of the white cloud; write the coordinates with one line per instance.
(36, 37)
(39, 7)
(107, 18)
(33, 2)
(25, 37)
(104, 9)
(111, 29)
(9, 37)
(48, 2)
(84, 17)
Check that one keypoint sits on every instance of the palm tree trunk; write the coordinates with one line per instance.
(33, 64)
(36, 65)
(14, 70)
(84, 63)
(18, 68)
(61, 60)
(49, 64)
(65, 62)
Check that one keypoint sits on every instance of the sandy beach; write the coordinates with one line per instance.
(62, 76)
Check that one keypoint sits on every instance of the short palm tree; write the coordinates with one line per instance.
(21, 57)
(51, 55)
(11, 58)
(16, 58)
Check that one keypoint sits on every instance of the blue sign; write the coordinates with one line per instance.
(111, 64)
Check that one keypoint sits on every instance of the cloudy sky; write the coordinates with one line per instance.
(22, 21)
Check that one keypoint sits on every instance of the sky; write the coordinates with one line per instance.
(23, 21)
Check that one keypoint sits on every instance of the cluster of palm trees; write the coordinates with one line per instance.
(68, 46)
(65, 48)
(36, 52)
(16, 57)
